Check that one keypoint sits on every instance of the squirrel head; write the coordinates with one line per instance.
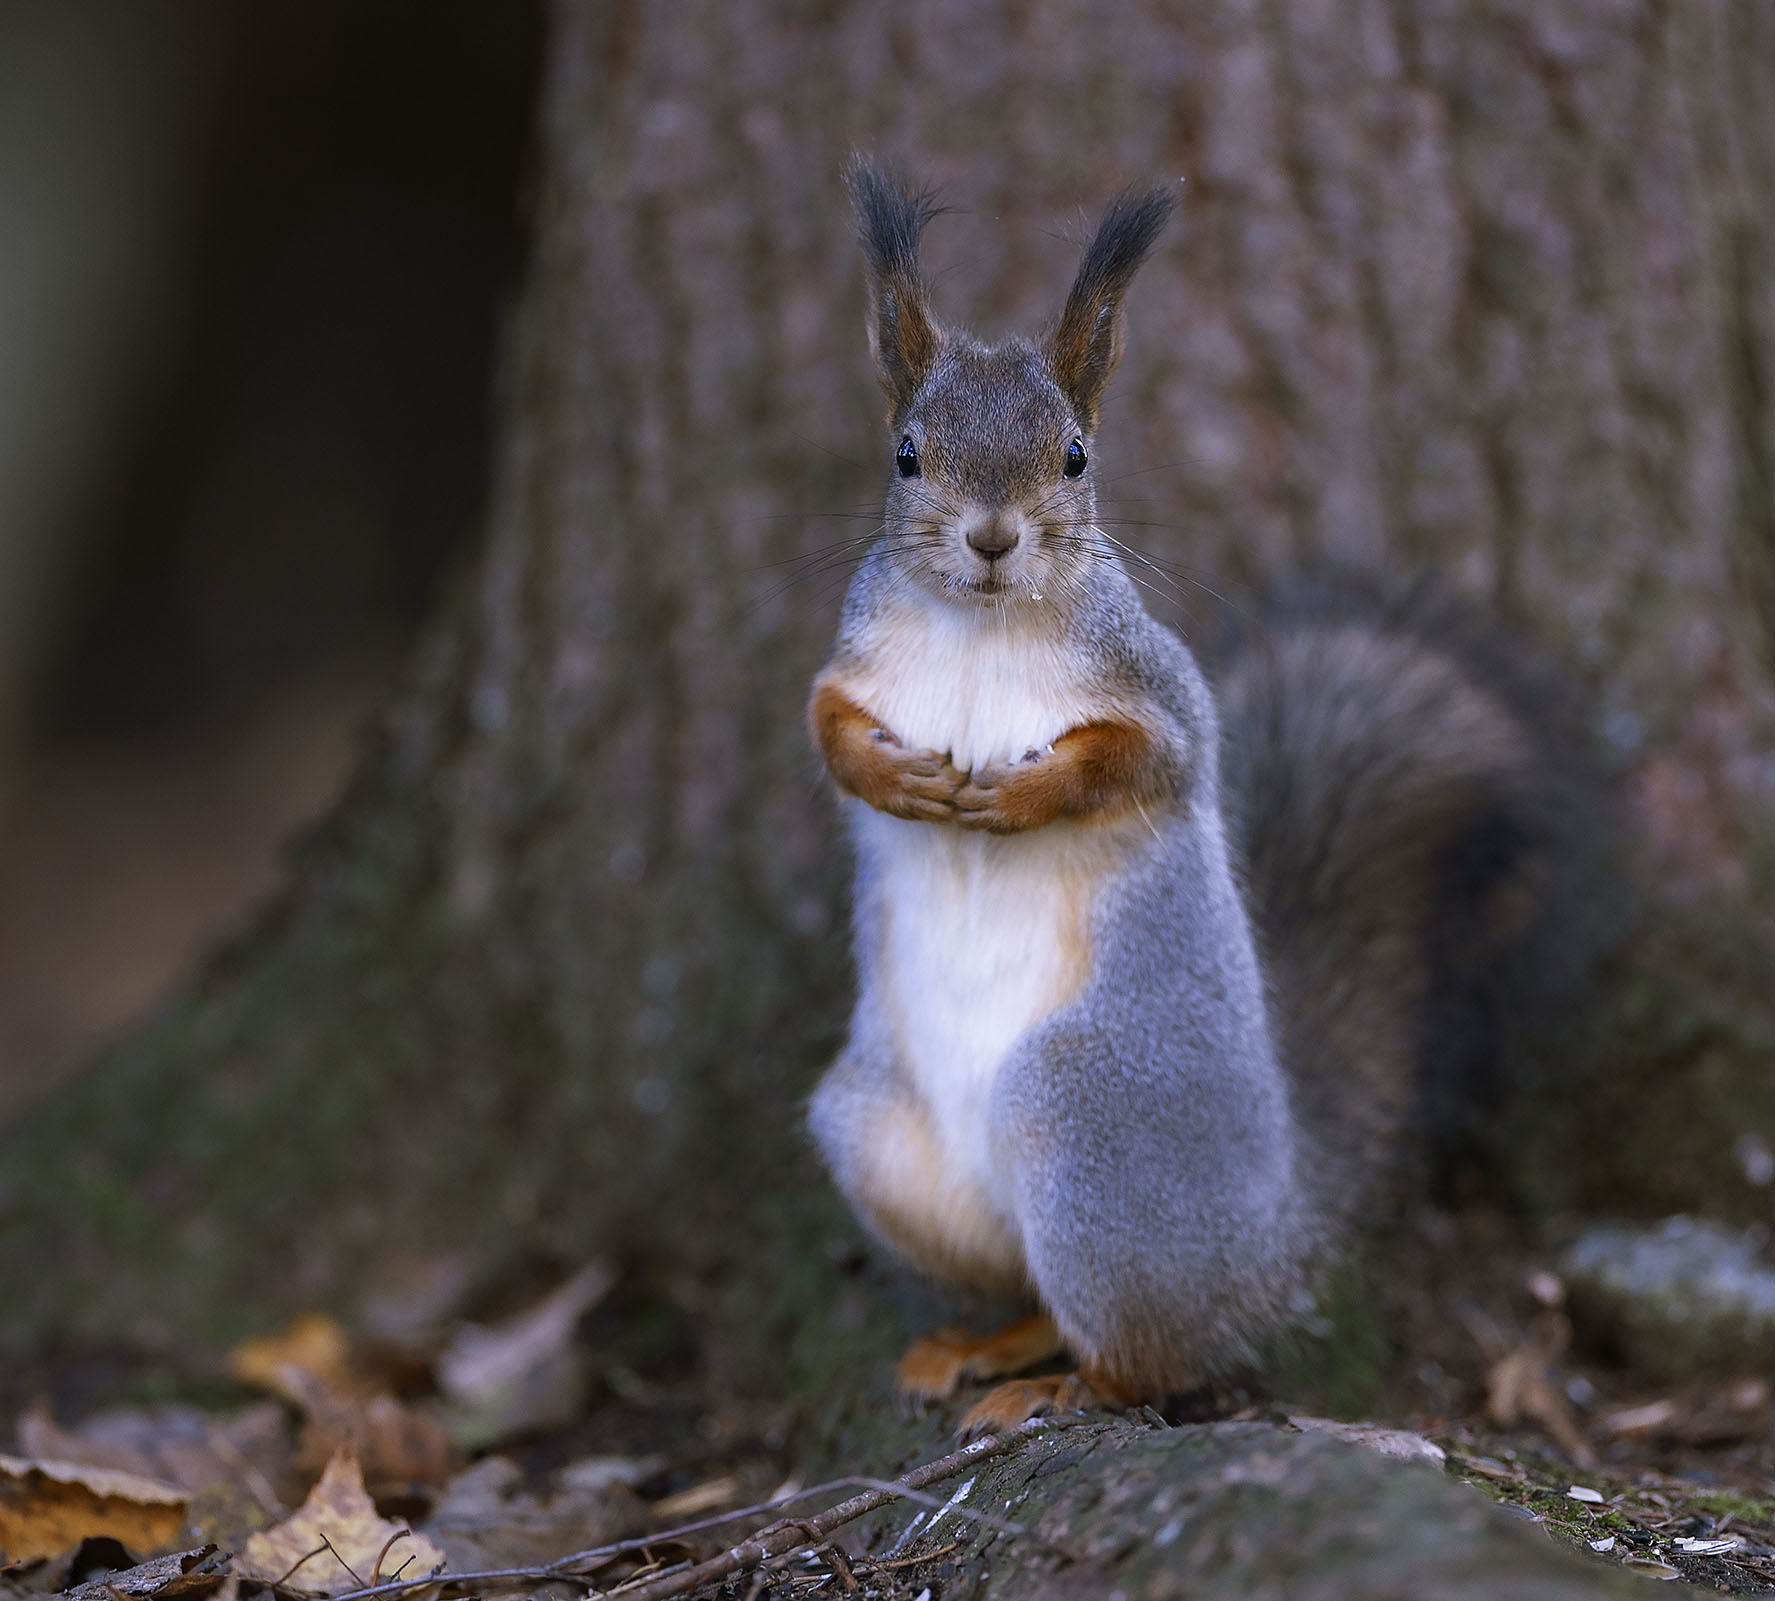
(991, 496)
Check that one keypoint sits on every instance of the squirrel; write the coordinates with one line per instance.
(1148, 969)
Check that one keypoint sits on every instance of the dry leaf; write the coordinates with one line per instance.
(183, 1576)
(486, 1518)
(48, 1507)
(417, 1298)
(1520, 1386)
(523, 1374)
(175, 1444)
(312, 1344)
(1639, 1419)
(396, 1445)
(364, 1548)
(699, 1498)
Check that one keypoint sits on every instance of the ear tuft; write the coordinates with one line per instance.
(891, 217)
(1087, 342)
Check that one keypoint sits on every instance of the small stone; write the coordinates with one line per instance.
(1679, 1298)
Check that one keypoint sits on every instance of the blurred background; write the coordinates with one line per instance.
(252, 262)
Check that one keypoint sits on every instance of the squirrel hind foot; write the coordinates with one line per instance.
(1006, 1405)
(1091, 1389)
(934, 1367)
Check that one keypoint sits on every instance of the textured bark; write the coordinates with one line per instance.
(1484, 289)
(1237, 1510)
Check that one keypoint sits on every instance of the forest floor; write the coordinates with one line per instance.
(583, 1414)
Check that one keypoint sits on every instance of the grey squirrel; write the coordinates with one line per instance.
(1147, 970)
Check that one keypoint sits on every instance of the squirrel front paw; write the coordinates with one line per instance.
(868, 761)
(1095, 771)
(919, 785)
(1010, 797)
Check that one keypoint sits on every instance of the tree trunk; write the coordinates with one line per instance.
(1483, 290)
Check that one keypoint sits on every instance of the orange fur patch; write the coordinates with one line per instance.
(1096, 772)
(933, 1367)
(866, 761)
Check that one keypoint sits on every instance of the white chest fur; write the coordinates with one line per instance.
(979, 936)
(979, 685)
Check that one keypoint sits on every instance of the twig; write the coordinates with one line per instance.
(775, 1541)
(376, 1572)
(768, 1542)
(341, 1560)
(299, 1561)
(839, 1563)
(911, 1561)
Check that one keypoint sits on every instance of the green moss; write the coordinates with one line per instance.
(1757, 1512)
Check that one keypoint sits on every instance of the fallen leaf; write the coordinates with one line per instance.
(336, 1542)
(1520, 1385)
(486, 1518)
(1639, 1419)
(524, 1374)
(176, 1444)
(417, 1298)
(397, 1446)
(596, 1472)
(47, 1507)
(183, 1576)
(312, 1344)
(697, 1499)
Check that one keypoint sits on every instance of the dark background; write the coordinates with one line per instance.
(252, 264)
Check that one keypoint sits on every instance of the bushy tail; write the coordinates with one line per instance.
(1428, 858)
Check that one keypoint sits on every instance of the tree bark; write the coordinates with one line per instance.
(1482, 290)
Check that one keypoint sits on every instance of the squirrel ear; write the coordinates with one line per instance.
(891, 216)
(1087, 343)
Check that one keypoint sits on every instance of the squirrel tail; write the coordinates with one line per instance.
(1429, 858)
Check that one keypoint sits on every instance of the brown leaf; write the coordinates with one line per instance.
(486, 1518)
(47, 1507)
(335, 1541)
(183, 1576)
(396, 1445)
(523, 1374)
(312, 1344)
(1520, 1385)
(1639, 1419)
(178, 1445)
(699, 1498)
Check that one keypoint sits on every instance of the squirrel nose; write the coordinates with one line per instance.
(993, 536)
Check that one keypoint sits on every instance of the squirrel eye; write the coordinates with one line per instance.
(1075, 459)
(906, 458)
